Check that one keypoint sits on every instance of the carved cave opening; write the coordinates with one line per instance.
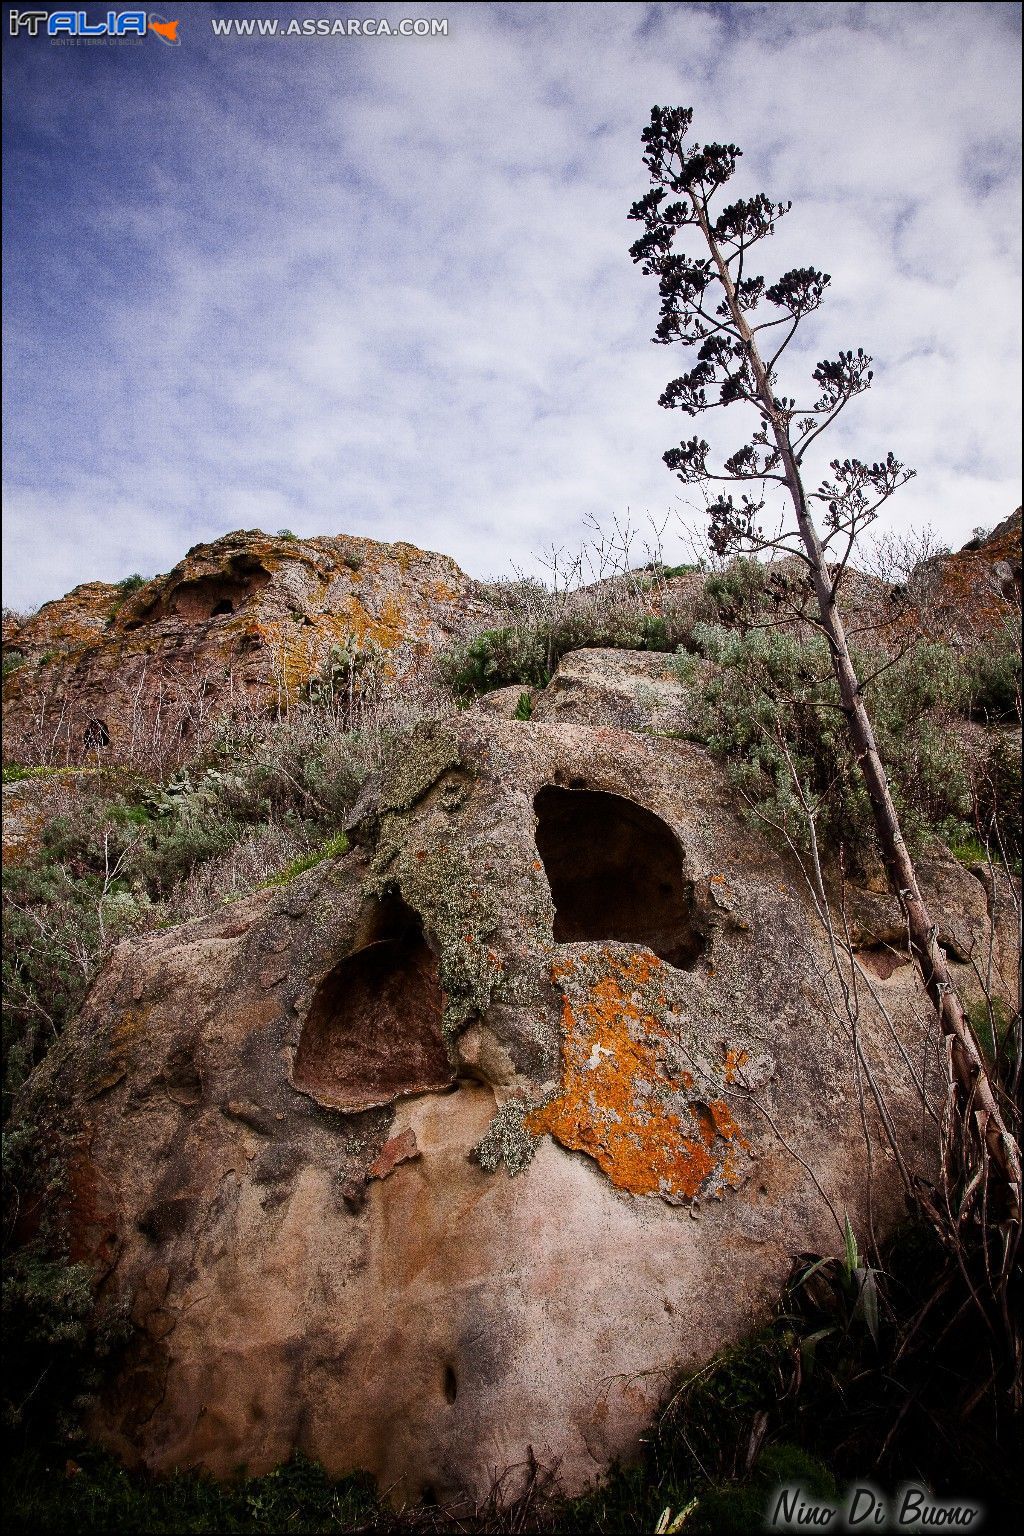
(616, 872)
(209, 596)
(96, 735)
(373, 1030)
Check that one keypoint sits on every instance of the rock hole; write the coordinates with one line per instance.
(96, 734)
(616, 872)
(373, 1030)
(705, 1121)
(451, 1385)
(208, 596)
(882, 960)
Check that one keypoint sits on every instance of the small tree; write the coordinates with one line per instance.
(708, 302)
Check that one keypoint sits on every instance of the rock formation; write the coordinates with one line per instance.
(443, 1160)
(239, 625)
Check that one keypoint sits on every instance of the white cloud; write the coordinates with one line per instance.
(383, 287)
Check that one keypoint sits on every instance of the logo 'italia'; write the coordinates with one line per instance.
(120, 25)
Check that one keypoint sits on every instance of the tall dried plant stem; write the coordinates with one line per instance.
(977, 1101)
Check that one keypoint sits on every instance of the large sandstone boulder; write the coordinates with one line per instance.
(443, 1160)
(239, 625)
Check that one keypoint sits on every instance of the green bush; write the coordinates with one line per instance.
(529, 651)
(495, 659)
(770, 707)
(56, 926)
(1001, 799)
(12, 660)
(995, 676)
(95, 1495)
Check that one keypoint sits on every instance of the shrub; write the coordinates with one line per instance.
(495, 659)
(56, 926)
(999, 799)
(12, 660)
(620, 613)
(131, 584)
(771, 693)
(995, 676)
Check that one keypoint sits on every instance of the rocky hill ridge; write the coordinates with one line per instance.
(244, 622)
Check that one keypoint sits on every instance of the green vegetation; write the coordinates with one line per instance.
(12, 660)
(93, 1494)
(769, 706)
(130, 584)
(333, 848)
(13, 773)
(992, 1024)
(497, 658)
(994, 676)
(528, 650)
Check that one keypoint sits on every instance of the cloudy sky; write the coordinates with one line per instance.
(381, 285)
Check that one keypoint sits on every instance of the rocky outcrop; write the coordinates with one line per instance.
(443, 1160)
(239, 626)
(634, 690)
(242, 626)
(967, 595)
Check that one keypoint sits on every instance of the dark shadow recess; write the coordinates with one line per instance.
(616, 872)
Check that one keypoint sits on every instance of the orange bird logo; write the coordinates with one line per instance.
(168, 30)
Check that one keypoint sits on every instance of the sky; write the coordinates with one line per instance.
(380, 285)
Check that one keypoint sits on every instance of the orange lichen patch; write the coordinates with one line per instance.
(77, 622)
(386, 632)
(622, 1102)
(735, 1061)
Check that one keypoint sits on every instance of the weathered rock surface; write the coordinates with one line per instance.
(31, 804)
(240, 624)
(634, 690)
(443, 1160)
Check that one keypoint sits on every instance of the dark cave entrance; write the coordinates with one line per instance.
(616, 872)
(373, 1030)
(96, 735)
(209, 596)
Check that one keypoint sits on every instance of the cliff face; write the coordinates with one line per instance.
(239, 625)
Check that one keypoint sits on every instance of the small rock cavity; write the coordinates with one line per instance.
(616, 872)
(373, 1030)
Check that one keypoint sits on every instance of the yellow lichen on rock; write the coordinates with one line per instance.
(622, 1101)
